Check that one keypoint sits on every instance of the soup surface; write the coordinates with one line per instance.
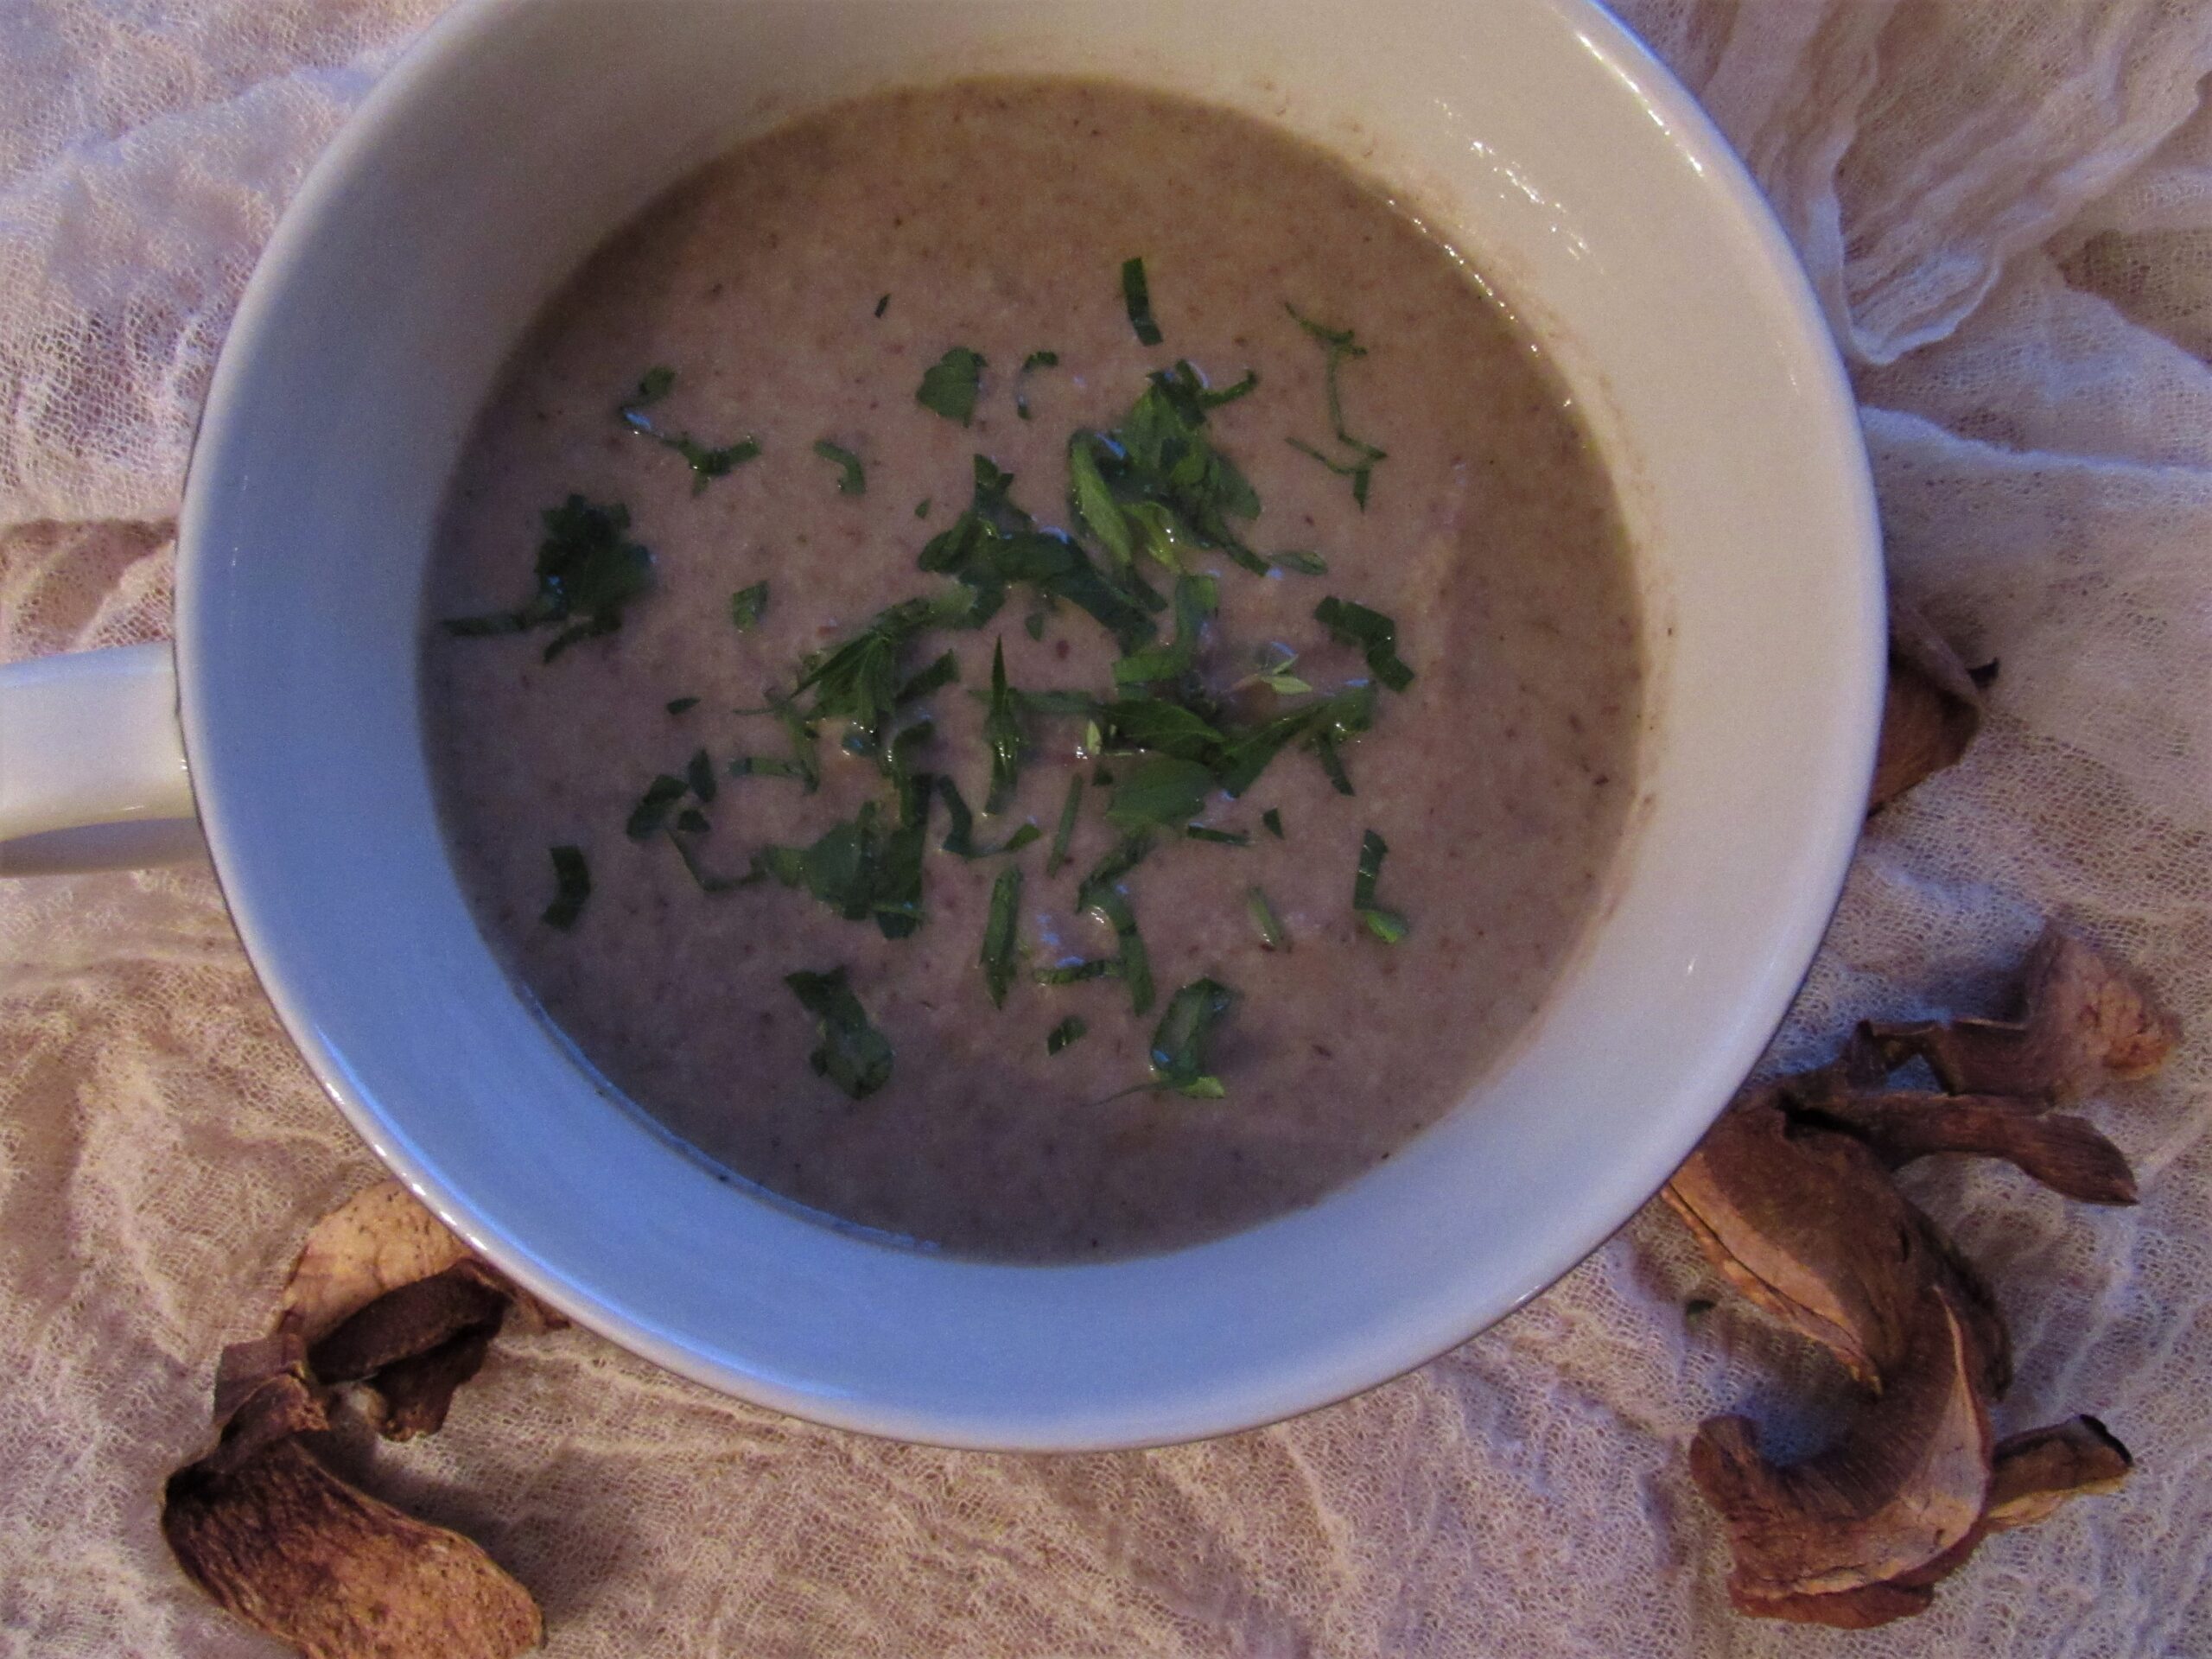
(774, 421)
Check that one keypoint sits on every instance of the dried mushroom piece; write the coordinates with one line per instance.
(1905, 1482)
(378, 1240)
(384, 1298)
(2038, 1471)
(2067, 1154)
(1806, 1223)
(2087, 1018)
(1930, 711)
(280, 1541)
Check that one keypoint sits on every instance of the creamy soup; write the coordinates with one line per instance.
(1297, 656)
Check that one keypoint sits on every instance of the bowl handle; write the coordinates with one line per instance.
(91, 764)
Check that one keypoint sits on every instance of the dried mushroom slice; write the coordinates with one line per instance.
(1806, 1223)
(1930, 712)
(280, 1542)
(1904, 1483)
(378, 1240)
(2087, 1018)
(2038, 1471)
(2067, 1154)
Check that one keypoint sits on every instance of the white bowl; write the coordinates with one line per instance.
(1532, 135)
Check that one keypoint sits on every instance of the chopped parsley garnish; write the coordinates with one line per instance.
(1065, 832)
(1273, 672)
(949, 385)
(681, 705)
(707, 462)
(746, 604)
(995, 544)
(857, 680)
(944, 670)
(1219, 837)
(922, 508)
(655, 805)
(1034, 625)
(1387, 925)
(699, 772)
(696, 822)
(586, 572)
(1136, 296)
(1372, 631)
(1034, 361)
(571, 886)
(1102, 896)
(1273, 818)
(852, 479)
(1197, 598)
(1070, 1030)
(1074, 973)
(999, 929)
(960, 839)
(1321, 724)
(882, 304)
(852, 1054)
(863, 868)
(1359, 467)
(1178, 1044)
(1002, 732)
(1272, 938)
(1300, 564)
(1156, 484)
(1160, 790)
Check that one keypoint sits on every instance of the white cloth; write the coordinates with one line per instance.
(2008, 211)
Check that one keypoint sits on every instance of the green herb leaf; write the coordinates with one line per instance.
(1196, 598)
(1040, 360)
(1387, 925)
(571, 886)
(1272, 938)
(1161, 789)
(960, 839)
(858, 680)
(1372, 631)
(1332, 764)
(883, 305)
(1220, 837)
(655, 805)
(679, 705)
(1002, 731)
(999, 929)
(853, 478)
(1330, 720)
(746, 604)
(1065, 832)
(1273, 819)
(1070, 1030)
(922, 508)
(1074, 973)
(862, 869)
(1300, 564)
(944, 671)
(707, 882)
(1034, 625)
(1160, 725)
(1100, 895)
(949, 385)
(1178, 1044)
(1359, 467)
(653, 385)
(1136, 295)
(700, 774)
(586, 573)
(852, 1054)
(707, 462)
(692, 822)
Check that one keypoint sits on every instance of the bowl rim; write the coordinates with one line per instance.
(1810, 345)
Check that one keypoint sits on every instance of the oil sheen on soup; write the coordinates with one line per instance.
(1032, 666)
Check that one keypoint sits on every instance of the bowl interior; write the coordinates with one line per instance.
(1540, 142)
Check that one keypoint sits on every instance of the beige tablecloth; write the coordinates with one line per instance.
(2007, 212)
